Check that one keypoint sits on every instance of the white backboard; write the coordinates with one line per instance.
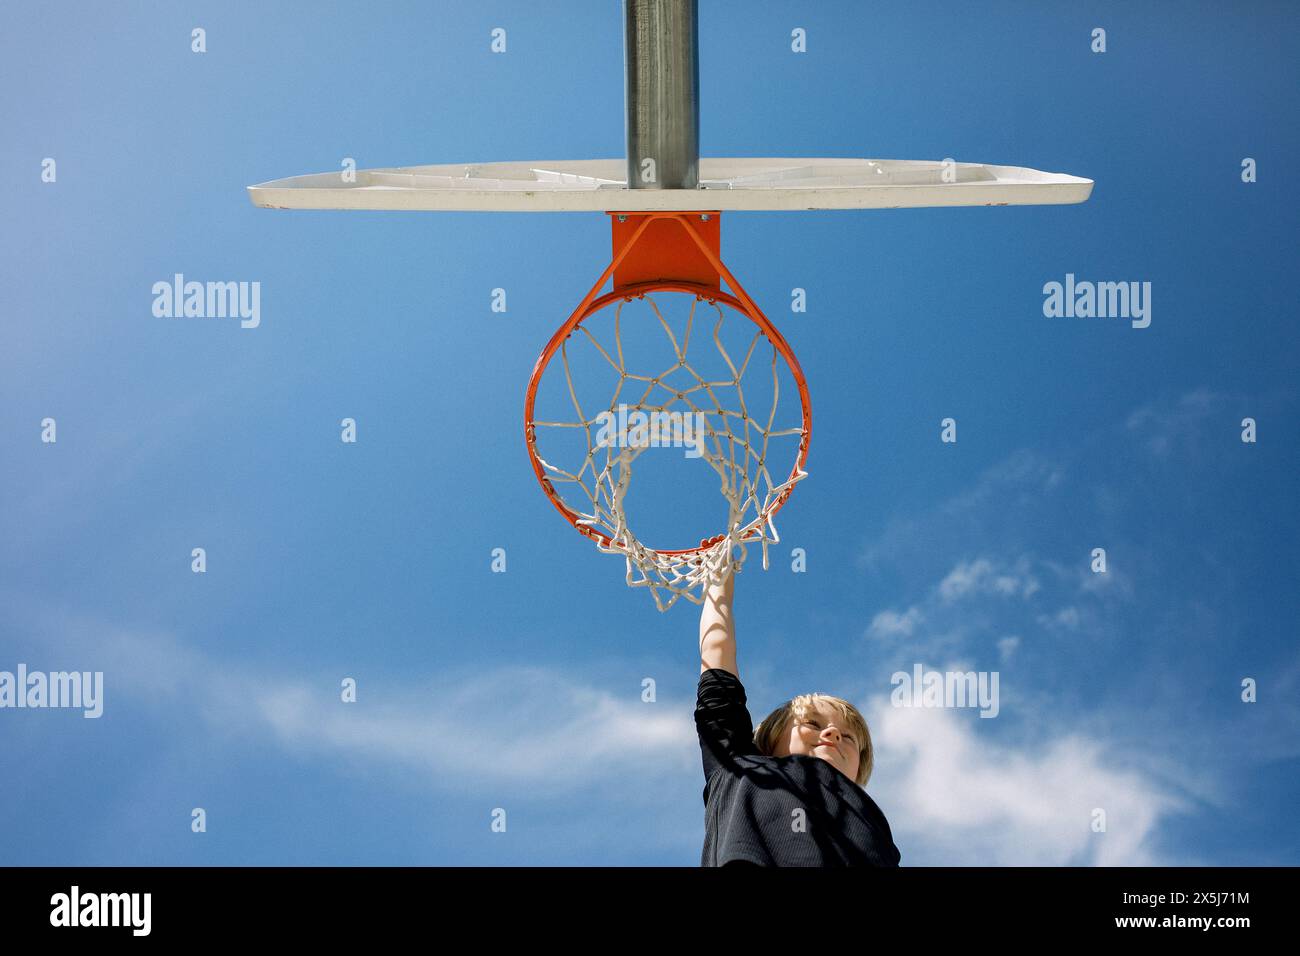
(600, 185)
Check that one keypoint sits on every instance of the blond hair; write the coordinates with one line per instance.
(776, 724)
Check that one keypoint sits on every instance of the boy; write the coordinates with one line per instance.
(790, 794)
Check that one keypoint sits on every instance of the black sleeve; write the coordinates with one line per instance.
(722, 720)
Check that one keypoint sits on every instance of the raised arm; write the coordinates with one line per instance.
(718, 629)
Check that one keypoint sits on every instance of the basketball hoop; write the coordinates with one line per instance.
(738, 441)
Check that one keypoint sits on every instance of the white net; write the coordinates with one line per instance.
(703, 404)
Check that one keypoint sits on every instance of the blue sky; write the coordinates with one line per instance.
(522, 690)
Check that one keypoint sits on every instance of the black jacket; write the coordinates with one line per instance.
(751, 800)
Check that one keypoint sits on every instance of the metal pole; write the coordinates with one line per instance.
(662, 93)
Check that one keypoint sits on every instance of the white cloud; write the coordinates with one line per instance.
(981, 576)
(532, 726)
(955, 797)
(1162, 426)
(1067, 617)
(516, 725)
(1113, 583)
(964, 579)
(891, 623)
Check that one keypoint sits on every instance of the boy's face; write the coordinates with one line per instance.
(822, 734)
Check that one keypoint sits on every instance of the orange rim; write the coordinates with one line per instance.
(595, 302)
